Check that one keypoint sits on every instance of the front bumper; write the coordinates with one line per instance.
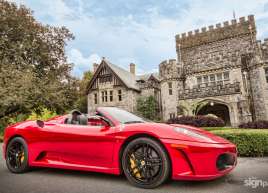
(200, 161)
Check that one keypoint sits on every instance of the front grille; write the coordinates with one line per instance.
(225, 161)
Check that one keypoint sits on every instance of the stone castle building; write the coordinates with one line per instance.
(222, 70)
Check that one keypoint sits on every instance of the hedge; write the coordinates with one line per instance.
(249, 142)
(261, 124)
(198, 121)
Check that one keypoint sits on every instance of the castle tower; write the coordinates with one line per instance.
(224, 64)
(169, 71)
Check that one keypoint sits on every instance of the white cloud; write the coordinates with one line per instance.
(81, 63)
(125, 39)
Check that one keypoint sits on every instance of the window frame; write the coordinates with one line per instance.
(266, 74)
(170, 90)
(95, 98)
(119, 94)
(111, 96)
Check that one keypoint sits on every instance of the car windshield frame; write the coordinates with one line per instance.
(123, 116)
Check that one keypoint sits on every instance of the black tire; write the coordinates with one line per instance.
(145, 170)
(17, 155)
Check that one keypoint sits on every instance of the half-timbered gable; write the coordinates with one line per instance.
(112, 86)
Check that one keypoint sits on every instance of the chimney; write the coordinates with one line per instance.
(132, 68)
(95, 67)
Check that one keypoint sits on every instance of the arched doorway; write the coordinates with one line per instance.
(218, 109)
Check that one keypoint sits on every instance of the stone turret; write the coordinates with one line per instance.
(169, 69)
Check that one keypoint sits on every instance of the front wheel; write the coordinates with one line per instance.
(145, 163)
(17, 155)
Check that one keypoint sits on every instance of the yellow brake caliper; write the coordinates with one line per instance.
(133, 166)
(22, 157)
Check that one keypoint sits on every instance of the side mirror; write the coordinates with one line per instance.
(40, 123)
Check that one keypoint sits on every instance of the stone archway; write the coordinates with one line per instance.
(219, 109)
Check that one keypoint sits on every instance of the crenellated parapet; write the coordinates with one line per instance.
(221, 31)
(168, 62)
(169, 69)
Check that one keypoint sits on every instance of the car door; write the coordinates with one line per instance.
(82, 144)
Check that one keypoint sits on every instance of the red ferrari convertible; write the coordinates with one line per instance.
(115, 141)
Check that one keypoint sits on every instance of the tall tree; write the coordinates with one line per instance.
(148, 108)
(82, 99)
(34, 71)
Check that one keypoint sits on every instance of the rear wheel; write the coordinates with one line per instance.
(17, 155)
(145, 163)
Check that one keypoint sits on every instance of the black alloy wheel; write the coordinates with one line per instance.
(145, 163)
(17, 155)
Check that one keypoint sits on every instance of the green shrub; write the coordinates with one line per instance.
(147, 107)
(18, 118)
(44, 115)
(249, 142)
(11, 119)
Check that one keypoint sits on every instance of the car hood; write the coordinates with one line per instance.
(167, 131)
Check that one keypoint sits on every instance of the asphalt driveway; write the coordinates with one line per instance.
(250, 175)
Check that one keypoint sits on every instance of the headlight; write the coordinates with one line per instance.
(192, 133)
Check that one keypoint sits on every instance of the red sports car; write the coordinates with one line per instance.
(115, 141)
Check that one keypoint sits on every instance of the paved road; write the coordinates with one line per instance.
(64, 181)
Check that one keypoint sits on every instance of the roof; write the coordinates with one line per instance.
(146, 77)
(128, 78)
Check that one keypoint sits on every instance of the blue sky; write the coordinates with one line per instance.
(140, 31)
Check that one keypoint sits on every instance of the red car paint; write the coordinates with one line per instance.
(97, 148)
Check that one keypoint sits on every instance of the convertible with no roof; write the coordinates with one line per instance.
(115, 141)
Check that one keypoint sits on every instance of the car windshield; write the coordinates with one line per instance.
(123, 116)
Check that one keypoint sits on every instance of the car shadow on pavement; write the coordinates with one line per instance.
(229, 179)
